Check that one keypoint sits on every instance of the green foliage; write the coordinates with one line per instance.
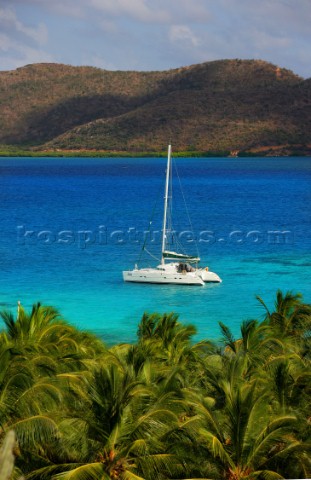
(161, 408)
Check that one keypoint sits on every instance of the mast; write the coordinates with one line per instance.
(168, 169)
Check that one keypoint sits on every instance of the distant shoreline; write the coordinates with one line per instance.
(261, 152)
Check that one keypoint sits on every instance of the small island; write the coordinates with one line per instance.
(219, 108)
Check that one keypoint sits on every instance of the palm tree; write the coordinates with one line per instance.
(40, 358)
(38, 346)
(291, 317)
(43, 331)
(25, 402)
(162, 339)
(245, 440)
(251, 349)
(117, 431)
(165, 327)
(287, 366)
(250, 410)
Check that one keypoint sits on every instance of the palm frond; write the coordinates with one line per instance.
(91, 471)
(265, 475)
(260, 300)
(34, 431)
(128, 475)
(216, 448)
(271, 434)
(228, 337)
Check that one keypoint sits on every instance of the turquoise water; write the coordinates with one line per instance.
(70, 226)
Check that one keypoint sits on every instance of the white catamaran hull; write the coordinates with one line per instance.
(209, 277)
(152, 275)
(169, 273)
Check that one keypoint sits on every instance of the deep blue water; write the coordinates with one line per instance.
(70, 226)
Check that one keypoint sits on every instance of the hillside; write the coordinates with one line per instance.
(228, 105)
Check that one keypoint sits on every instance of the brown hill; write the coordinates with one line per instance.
(228, 105)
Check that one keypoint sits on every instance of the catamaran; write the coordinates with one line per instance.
(175, 268)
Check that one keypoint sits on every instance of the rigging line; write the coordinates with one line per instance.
(187, 211)
(149, 228)
(153, 256)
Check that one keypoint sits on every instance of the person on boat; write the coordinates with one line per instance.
(189, 268)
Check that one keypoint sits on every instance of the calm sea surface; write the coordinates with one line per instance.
(70, 226)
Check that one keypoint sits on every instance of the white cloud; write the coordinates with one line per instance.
(100, 62)
(189, 12)
(5, 43)
(182, 33)
(20, 43)
(32, 55)
(39, 34)
(17, 55)
(108, 26)
(10, 22)
(263, 40)
(274, 16)
(135, 9)
(150, 11)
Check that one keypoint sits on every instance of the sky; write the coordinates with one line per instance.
(155, 34)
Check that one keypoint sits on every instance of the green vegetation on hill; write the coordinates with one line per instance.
(246, 106)
(161, 408)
